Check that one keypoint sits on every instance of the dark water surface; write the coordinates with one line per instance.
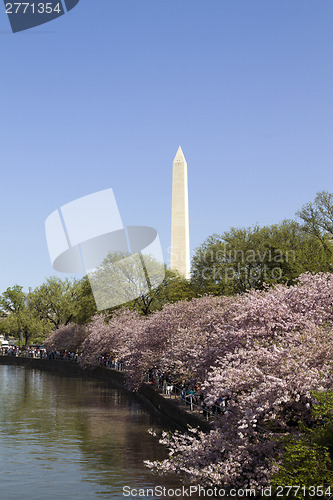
(72, 438)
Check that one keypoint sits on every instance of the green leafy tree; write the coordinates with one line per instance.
(123, 277)
(317, 219)
(85, 307)
(57, 301)
(172, 289)
(246, 258)
(21, 321)
(135, 280)
(306, 464)
(13, 300)
(31, 316)
(307, 458)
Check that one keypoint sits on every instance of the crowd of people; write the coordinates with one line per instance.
(111, 362)
(29, 352)
(188, 391)
(65, 355)
(39, 352)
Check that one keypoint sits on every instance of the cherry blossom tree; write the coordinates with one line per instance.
(119, 336)
(66, 338)
(265, 351)
(276, 351)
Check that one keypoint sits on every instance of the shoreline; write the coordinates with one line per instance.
(164, 408)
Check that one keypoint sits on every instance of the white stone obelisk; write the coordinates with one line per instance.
(180, 231)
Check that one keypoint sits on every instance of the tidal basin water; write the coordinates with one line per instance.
(71, 438)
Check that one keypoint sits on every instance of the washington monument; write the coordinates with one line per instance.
(180, 233)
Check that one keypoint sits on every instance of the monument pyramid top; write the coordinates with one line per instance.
(179, 158)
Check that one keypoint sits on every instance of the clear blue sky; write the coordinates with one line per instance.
(104, 95)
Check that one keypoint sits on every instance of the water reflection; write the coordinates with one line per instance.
(70, 438)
